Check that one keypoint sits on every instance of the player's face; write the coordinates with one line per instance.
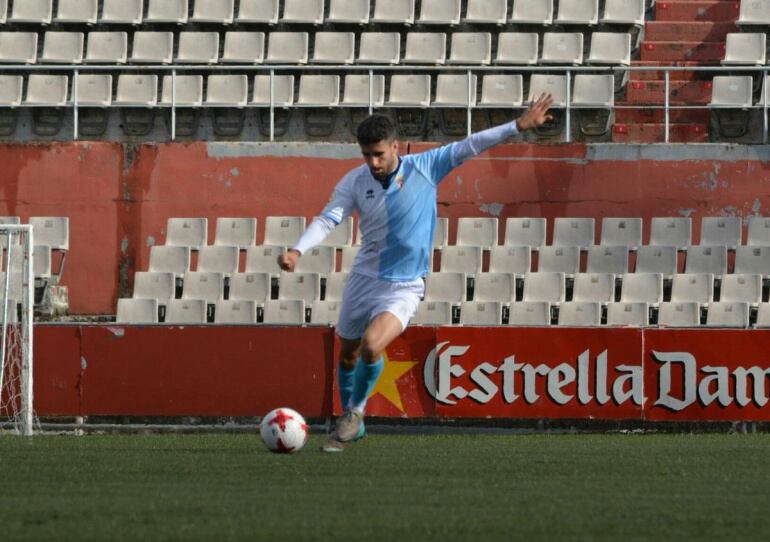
(381, 157)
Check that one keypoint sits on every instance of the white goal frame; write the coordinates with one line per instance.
(26, 414)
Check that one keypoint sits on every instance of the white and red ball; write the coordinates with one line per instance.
(283, 431)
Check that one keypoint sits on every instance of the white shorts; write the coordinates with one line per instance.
(366, 297)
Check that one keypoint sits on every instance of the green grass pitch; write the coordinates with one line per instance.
(387, 487)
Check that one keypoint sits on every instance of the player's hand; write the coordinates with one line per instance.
(288, 260)
(537, 114)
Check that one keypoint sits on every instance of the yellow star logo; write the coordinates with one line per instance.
(386, 384)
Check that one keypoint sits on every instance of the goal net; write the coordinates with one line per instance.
(17, 288)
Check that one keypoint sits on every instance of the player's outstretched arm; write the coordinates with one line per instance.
(537, 113)
(288, 260)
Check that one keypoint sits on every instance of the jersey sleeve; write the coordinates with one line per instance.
(342, 203)
(435, 164)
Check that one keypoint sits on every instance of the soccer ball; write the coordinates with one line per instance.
(283, 431)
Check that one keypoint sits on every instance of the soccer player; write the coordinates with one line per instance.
(395, 197)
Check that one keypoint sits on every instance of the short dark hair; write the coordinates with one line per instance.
(375, 128)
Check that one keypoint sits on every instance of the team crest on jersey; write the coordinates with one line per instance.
(400, 181)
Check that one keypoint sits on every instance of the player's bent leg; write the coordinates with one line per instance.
(349, 352)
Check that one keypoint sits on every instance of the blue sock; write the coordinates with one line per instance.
(366, 375)
(345, 384)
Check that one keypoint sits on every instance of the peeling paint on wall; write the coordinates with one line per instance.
(493, 209)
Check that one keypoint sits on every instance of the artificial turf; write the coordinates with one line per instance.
(387, 487)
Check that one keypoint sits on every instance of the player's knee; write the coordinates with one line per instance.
(347, 362)
(369, 353)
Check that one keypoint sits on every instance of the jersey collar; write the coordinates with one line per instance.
(386, 183)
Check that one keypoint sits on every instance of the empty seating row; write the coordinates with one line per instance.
(432, 12)
(51, 237)
(198, 311)
(51, 231)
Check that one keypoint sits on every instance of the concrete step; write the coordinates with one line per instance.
(688, 30)
(645, 115)
(683, 51)
(680, 92)
(655, 133)
(701, 10)
(684, 75)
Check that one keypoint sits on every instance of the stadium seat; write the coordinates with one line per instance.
(187, 90)
(754, 13)
(547, 287)
(303, 11)
(283, 230)
(559, 259)
(284, 312)
(753, 260)
(594, 287)
(532, 12)
(433, 313)
(607, 259)
(720, 231)
(528, 232)
(283, 90)
(243, 48)
(579, 12)
(77, 11)
(15, 286)
(47, 91)
(562, 48)
(167, 11)
(625, 12)
(11, 90)
(94, 90)
(628, 314)
(356, 91)
(287, 48)
(393, 11)
(213, 11)
(203, 285)
(218, 259)
(227, 90)
(348, 257)
(471, 48)
(334, 48)
(319, 90)
(706, 259)
(160, 286)
(335, 285)
(348, 11)
(18, 47)
(238, 232)
(502, 91)
(510, 259)
(320, 259)
(31, 11)
(409, 90)
(580, 314)
(693, 287)
(486, 12)
(642, 288)
(679, 314)
(758, 233)
(477, 232)
(107, 48)
(573, 232)
(137, 311)
(495, 287)
(325, 312)
(198, 48)
(52, 231)
(610, 48)
(235, 312)
(731, 96)
(656, 259)
(186, 311)
(3, 11)
(517, 48)
(439, 12)
(671, 232)
(625, 232)
(763, 316)
(555, 85)
(481, 313)
(441, 232)
(728, 314)
(62, 48)
(530, 313)
(152, 48)
(263, 259)
(341, 236)
(743, 287)
(250, 287)
(462, 259)
(258, 11)
(165, 259)
(446, 286)
(304, 286)
(187, 232)
(594, 98)
(379, 48)
(744, 49)
(425, 48)
(122, 11)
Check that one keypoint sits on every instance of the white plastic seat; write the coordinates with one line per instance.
(581, 12)
(137, 311)
(510, 259)
(656, 259)
(319, 90)
(122, 11)
(446, 286)
(753, 260)
(250, 287)
(325, 312)
(532, 12)
(486, 12)
(594, 91)
(18, 47)
(187, 90)
(3, 11)
(763, 316)
(517, 48)
(433, 313)
(530, 313)
(198, 48)
(624, 12)
(95, 90)
(52, 231)
(227, 90)
(555, 85)
(542, 286)
(348, 257)
(720, 231)
(341, 236)
(238, 232)
(335, 286)
(218, 259)
(707, 259)
(610, 48)
(287, 48)
(356, 91)
(243, 48)
(153, 48)
(471, 48)
(743, 287)
(77, 11)
(624, 231)
(393, 11)
(303, 11)
(562, 48)
(107, 48)
(379, 48)
(452, 90)
(15, 287)
(594, 287)
(348, 11)
(754, 13)
(502, 91)
(48, 90)
(320, 259)
(573, 232)
(425, 48)
(671, 232)
(186, 311)
(758, 231)
(11, 90)
(213, 11)
(283, 90)
(607, 259)
(204, 285)
(187, 232)
(165, 259)
(160, 286)
(334, 48)
(441, 232)
(679, 314)
(409, 90)
(62, 48)
(628, 314)
(744, 49)
(559, 259)
(693, 287)
(481, 313)
(442, 12)
(235, 312)
(32, 11)
(461, 259)
(580, 314)
(258, 11)
(283, 230)
(495, 287)
(731, 91)
(642, 288)
(529, 232)
(728, 314)
(284, 312)
(303, 286)
(166, 11)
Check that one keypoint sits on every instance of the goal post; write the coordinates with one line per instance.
(17, 303)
